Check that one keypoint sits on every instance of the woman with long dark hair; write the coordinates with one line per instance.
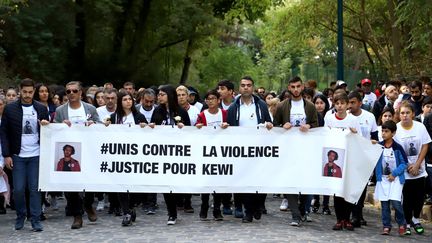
(43, 95)
(322, 106)
(169, 112)
(127, 114)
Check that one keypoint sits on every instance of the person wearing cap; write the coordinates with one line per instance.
(194, 98)
(340, 84)
(369, 97)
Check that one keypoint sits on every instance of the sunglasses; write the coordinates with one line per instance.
(69, 91)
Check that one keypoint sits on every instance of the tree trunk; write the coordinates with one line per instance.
(186, 62)
(395, 40)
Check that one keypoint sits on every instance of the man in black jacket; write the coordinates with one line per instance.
(249, 110)
(19, 132)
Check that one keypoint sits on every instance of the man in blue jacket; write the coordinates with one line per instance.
(249, 110)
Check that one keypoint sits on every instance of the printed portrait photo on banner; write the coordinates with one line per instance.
(333, 162)
(68, 157)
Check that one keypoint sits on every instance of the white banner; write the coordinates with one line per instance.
(120, 158)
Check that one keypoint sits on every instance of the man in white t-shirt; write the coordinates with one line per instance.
(19, 132)
(296, 112)
(369, 130)
(369, 97)
(182, 96)
(147, 103)
(74, 113)
(110, 97)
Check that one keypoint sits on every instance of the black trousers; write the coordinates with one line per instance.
(253, 202)
(342, 208)
(170, 201)
(75, 202)
(127, 201)
(413, 196)
(217, 201)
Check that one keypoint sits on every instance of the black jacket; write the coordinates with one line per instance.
(11, 126)
(160, 115)
(262, 112)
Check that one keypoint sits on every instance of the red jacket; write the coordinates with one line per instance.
(202, 118)
(337, 172)
(74, 165)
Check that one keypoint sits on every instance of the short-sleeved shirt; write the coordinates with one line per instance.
(412, 141)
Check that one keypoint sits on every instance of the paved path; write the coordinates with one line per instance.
(273, 227)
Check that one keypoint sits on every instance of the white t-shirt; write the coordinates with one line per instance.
(193, 113)
(225, 107)
(384, 189)
(103, 113)
(297, 113)
(77, 116)
(412, 141)
(147, 114)
(213, 119)
(29, 138)
(367, 123)
(129, 119)
(248, 116)
(349, 121)
(380, 134)
(369, 99)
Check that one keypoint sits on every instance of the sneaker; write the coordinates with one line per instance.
(238, 213)
(295, 223)
(127, 220)
(402, 230)
(338, 225)
(363, 222)
(315, 209)
(227, 211)
(37, 227)
(218, 216)
(326, 211)
(356, 223)
(189, 210)
(418, 228)
(307, 218)
(386, 231)
(171, 221)
(100, 206)
(408, 230)
(247, 219)
(203, 215)
(19, 223)
(150, 211)
(284, 205)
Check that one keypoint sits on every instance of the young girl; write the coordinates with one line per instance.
(342, 120)
(127, 114)
(390, 178)
(414, 138)
(386, 115)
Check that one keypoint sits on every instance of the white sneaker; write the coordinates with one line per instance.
(100, 206)
(284, 205)
(295, 223)
(171, 221)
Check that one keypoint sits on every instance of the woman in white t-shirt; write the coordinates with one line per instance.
(127, 114)
(415, 139)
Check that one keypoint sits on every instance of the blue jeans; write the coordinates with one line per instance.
(386, 213)
(26, 174)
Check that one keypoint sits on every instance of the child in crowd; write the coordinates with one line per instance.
(342, 120)
(414, 138)
(390, 179)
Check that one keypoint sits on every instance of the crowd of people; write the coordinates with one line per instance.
(395, 114)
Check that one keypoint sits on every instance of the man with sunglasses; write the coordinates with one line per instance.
(76, 112)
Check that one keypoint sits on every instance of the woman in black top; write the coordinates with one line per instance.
(169, 113)
(126, 113)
